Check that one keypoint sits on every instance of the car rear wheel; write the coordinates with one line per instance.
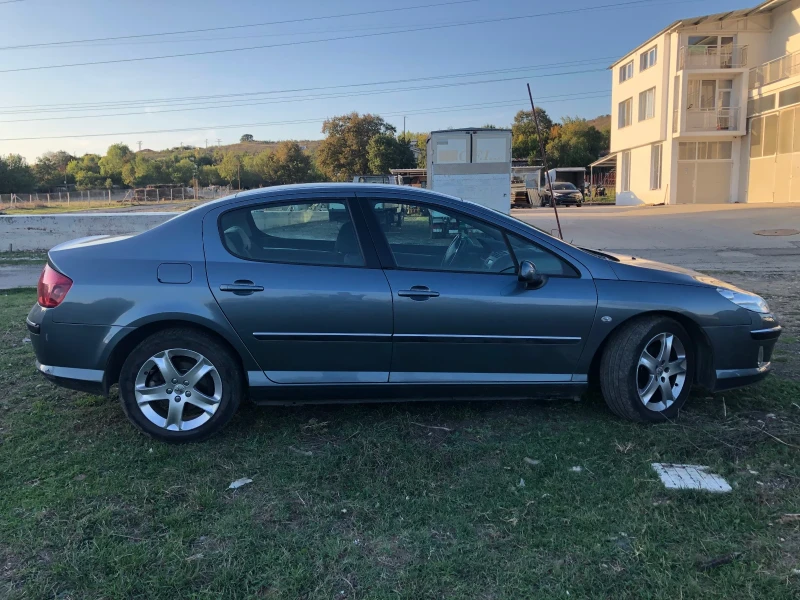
(647, 369)
(180, 385)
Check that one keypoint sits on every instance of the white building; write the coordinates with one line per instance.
(708, 110)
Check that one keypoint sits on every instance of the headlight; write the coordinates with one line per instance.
(738, 296)
(745, 299)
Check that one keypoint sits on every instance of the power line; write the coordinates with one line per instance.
(340, 38)
(229, 27)
(300, 121)
(11, 1)
(306, 98)
(153, 102)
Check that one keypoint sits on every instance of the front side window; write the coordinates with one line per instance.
(626, 71)
(655, 167)
(648, 58)
(625, 180)
(625, 113)
(436, 239)
(647, 104)
(310, 233)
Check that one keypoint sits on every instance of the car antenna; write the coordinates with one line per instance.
(544, 160)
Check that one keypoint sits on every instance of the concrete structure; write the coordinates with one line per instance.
(687, 106)
(42, 232)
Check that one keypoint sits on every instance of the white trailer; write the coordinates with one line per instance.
(472, 164)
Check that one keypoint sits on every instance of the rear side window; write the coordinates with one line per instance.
(308, 233)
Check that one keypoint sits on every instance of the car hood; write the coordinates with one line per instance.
(632, 268)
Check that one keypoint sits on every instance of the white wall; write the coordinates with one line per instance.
(42, 232)
(650, 130)
(640, 192)
(785, 37)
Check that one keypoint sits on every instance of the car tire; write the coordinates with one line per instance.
(634, 385)
(204, 406)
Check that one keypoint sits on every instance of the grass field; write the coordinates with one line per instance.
(393, 500)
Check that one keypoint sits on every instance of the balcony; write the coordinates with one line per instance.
(775, 70)
(712, 119)
(713, 57)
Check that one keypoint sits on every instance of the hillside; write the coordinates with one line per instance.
(603, 122)
(254, 147)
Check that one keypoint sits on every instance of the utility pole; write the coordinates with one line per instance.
(206, 143)
(239, 174)
(218, 142)
(404, 127)
(140, 145)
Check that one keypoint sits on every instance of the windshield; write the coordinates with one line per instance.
(564, 186)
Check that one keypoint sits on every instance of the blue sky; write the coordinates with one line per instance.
(588, 40)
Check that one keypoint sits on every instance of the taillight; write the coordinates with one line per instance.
(53, 287)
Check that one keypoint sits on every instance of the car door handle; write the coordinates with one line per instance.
(241, 287)
(418, 292)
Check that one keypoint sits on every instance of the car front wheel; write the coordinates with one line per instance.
(180, 385)
(647, 369)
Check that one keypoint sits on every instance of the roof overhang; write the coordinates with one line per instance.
(764, 7)
(606, 161)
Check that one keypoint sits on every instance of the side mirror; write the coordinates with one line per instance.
(529, 276)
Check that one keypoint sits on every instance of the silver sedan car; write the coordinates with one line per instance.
(343, 292)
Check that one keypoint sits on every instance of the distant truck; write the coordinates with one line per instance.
(471, 164)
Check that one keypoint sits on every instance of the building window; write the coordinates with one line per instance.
(756, 137)
(625, 110)
(785, 131)
(647, 104)
(770, 134)
(625, 180)
(705, 150)
(648, 58)
(655, 167)
(790, 96)
(626, 71)
(759, 105)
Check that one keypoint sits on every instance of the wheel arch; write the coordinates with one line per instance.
(704, 371)
(126, 344)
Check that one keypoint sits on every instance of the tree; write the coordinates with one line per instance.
(575, 143)
(291, 164)
(113, 163)
(50, 170)
(86, 171)
(247, 137)
(418, 141)
(182, 171)
(343, 152)
(229, 167)
(16, 175)
(524, 140)
(386, 152)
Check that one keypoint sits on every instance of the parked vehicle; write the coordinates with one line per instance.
(564, 193)
(262, 296)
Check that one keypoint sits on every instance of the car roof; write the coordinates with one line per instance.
(342, 187)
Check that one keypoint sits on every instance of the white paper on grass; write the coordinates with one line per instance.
(239, 483)
(690, 477)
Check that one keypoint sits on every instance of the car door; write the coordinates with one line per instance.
(464, 316)
(299, 280)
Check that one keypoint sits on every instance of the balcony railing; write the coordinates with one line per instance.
(713, 57)
(775, 70)
(713, 119)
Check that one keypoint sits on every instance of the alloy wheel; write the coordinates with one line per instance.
(178, 389)
(661, 372)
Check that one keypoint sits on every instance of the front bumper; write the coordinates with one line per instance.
(742, 355)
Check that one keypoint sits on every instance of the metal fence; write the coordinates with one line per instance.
(775, 70)
(87, 199)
